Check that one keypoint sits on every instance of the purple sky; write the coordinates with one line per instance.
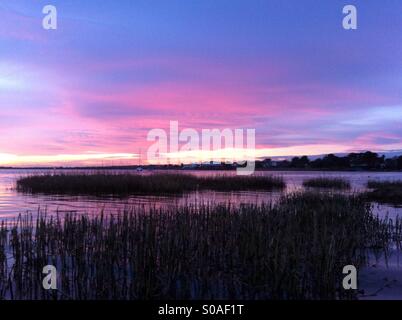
(90, 91)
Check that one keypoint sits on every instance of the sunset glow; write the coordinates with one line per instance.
(89, 92)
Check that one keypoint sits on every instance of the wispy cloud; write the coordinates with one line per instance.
(111, 73)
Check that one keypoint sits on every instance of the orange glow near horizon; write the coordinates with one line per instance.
(88, 94)
(68, 159)
(232, 154)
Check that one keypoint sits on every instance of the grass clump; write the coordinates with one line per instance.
(329, 183)
(385, 191)
(294, 249)
(160, 183)
(238, 183)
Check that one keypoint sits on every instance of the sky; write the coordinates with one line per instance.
(90, 91)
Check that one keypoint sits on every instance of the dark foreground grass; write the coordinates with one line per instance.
(295, 249)
(385, 191)
(163, 183)
(329, 183)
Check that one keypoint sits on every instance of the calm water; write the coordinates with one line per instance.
(13, 203)
(371, 279)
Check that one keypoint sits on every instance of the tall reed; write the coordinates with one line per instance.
(330, 183)
(385, 192)
(293, 249)
(159, 183)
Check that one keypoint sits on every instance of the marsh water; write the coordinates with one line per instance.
(381, 279)
(12, 202)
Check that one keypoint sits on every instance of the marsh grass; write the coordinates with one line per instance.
(385, 191)
(293, 249)
(160, 183)
(329, 183)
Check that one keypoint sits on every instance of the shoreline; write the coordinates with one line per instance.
(178, 168)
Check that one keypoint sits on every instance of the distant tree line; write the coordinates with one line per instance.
(353, 161)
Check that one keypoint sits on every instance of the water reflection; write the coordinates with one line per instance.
(12, 202)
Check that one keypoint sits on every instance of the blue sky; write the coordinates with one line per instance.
(114, 70)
